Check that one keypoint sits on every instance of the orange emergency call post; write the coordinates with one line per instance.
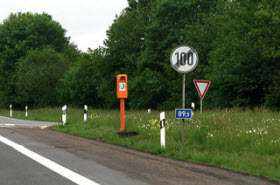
(122, 94)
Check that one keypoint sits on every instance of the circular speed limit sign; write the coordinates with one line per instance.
(184, 59)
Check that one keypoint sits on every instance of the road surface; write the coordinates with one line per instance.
(31, 153)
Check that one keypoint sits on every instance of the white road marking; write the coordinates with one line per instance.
(23, 125)
(73, 176)
(7, 118)
(43, 127)
(10, 124)
(6, 125)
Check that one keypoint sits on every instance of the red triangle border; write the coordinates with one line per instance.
(197, 88)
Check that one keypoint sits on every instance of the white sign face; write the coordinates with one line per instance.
(202, 87)
(122, 87)
(184, 59)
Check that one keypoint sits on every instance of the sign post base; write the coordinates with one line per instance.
(127, 133)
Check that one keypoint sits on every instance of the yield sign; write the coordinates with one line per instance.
(202, 87)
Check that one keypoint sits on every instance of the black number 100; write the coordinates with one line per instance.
(183, 58)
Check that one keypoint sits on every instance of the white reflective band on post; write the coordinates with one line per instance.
(64, 116)
(26, 109)
(162, 129)
(193, 105)
(162, 116)
(11, 110)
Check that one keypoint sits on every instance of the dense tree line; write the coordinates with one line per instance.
(237, 42)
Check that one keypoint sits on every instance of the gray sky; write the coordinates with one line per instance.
(86, 21)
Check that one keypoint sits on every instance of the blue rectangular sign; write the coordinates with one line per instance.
(183, 113)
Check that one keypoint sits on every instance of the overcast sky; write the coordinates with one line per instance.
(86, 21)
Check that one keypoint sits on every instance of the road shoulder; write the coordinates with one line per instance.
(146, 167)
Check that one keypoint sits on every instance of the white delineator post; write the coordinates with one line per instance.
(162, 129)
(11, 110)
(193, 107)
(64, 111)
(85, 113)
(26, 111)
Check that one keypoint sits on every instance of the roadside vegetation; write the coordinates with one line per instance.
(238, 47)
(241, 140)
(237, 43)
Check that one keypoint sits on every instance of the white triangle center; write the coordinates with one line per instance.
(201, 87)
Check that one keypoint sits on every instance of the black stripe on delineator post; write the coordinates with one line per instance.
(162, 129)
(162, 123)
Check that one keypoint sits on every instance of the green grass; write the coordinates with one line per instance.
(244, 141)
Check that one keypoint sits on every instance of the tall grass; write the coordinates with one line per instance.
(241, 140)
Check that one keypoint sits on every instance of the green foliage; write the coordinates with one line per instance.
(266, 36)
(23, 31)
(237, 43)
(80, 84)
(19, 34)
(234, 69)
(37, 77)
(148, 81)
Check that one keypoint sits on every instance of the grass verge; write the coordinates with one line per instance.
(244, 141)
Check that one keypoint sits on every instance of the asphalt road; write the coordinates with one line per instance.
(18, 169)
(30, 155)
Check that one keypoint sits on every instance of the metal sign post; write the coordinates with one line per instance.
(200, 105)
(183, 106)
(183, 59)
